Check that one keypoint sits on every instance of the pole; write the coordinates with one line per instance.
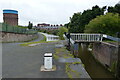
(69, 40)
(118, 62)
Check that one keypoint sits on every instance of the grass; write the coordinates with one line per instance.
(22, 27)
(67, 70)
(108, 41)
(28, 43)
(55, 56)
(57, 52)
(41, 41)
(68, 56)
(61, 52)
(70, 71)
(111, 41)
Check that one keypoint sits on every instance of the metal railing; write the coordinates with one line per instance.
(71, 41)
(15, 29)
(83, 37)
(111, 38)
(80, 37)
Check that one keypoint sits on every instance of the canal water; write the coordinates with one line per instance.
(94, 68)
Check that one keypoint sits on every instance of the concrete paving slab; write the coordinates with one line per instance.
(44, 69)
(80, 69)
(74, 66)
(69, 60)
(24, 62)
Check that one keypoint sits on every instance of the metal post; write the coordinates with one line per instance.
(118, 62)
(69, 40)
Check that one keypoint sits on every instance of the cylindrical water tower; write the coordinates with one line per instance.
(10, 17)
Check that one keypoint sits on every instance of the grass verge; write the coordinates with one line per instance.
(41, 41)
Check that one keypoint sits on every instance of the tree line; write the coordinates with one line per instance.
(95, 20)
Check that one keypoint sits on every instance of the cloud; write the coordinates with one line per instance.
(51, 11)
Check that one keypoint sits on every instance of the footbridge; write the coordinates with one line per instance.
(91, 38)
(86, 37)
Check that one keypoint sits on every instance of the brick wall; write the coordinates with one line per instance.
(11, 19)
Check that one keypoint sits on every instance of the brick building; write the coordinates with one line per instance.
(48, 27)
(43, 24)
(10, 17)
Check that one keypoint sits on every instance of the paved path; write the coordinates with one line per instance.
(74, 66)
(40, 37)
(25, 62)
(50, 37)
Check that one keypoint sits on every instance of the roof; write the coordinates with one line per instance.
(50, 27)
(10, 11)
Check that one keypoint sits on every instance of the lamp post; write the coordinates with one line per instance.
(118, 62)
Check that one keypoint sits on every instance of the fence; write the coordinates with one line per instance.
(86, 37)
(14, 29)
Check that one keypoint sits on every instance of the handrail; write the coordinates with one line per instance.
(111, 38)
(71, 41)
(86, 37)
(83, 37)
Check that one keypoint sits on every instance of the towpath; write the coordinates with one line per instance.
(25, 62)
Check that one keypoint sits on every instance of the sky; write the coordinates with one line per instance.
(49, 11)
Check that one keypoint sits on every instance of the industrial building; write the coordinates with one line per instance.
(10, 17)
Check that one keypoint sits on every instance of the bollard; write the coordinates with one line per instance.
(48, 63)
(48, 60)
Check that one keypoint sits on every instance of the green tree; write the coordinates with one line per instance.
(61, 32)
(106, 24)
(67, 25)
(30, 25)
(115, 9)
(79, 20)
(110, 9)
(55, 32)
(74, 25)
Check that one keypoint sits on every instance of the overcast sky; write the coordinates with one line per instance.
(49, 11)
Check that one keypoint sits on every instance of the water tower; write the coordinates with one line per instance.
(10, 17)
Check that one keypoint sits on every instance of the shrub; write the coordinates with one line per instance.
(106, 24)
(61, 32)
